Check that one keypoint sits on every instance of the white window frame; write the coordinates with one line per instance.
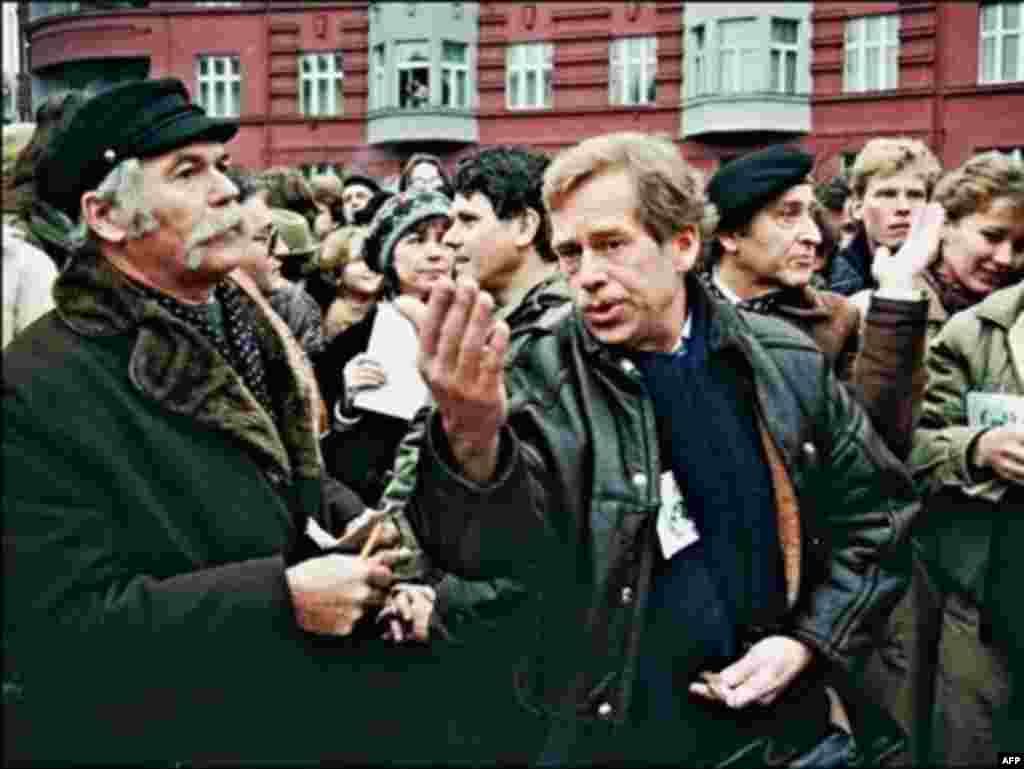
(633, 60)
(378, 76)
(858, 51)
(450, 77)
(783, 53)
(230, 79)
(410, 65)
(997, 36)
(326, 94)
(525, 63)
(743, 68)
(698, 46)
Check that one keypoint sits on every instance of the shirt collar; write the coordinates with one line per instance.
(727, 292)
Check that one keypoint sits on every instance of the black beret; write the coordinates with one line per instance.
(740, 188)
(140, 119)
(366, 181)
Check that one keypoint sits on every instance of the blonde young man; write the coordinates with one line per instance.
(891, 180)
(705, 552)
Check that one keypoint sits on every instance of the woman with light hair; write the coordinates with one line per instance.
(981, 252)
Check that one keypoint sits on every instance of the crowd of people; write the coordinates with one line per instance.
(585, 459)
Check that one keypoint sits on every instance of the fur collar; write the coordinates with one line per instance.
(178, 368)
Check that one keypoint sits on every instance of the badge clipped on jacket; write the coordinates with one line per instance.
(676, 529)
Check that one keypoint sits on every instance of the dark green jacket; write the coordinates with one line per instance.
(572, 507)
(149, 502)
(979, 350)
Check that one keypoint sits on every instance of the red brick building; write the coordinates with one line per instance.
(948, 73)
(543, 74)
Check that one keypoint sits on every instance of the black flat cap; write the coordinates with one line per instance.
(367, 181)
(742, 187)
(141, 119)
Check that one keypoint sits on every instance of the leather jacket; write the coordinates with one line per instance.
(572, 506)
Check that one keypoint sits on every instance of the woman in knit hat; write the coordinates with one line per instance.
(404, 244)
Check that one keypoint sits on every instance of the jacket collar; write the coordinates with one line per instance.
(858, 254)
(1005, 308)
(177, 367)
(723, 321)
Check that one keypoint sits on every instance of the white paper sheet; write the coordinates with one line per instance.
(994, 409)
(394, 345)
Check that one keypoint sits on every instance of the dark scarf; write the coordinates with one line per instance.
(953, 296)
(704, 597)
(235, 339)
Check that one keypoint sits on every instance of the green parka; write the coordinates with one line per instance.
(981, 350)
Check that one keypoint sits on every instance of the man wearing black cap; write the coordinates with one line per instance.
(355, 194)
(162, 599)
(762, 259)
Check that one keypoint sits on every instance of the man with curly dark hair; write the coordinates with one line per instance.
(500, 231)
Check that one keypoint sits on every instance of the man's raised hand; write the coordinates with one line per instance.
(461, 358)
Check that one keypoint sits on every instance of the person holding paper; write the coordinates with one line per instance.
(980, 250)
(969, 456)
(377, 390)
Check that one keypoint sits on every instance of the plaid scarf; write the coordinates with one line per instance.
(954, 297)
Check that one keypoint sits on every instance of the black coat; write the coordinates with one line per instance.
(150, 505)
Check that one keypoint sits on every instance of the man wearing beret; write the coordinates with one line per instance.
(762, 259)
(355, 194)
(709, 521)
(161, 464)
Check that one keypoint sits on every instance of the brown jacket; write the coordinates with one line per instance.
(883, 363)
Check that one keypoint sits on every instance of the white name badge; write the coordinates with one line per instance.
(994, 409)
(676, 530)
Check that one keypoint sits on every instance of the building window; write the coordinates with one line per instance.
(455, 75)
(1014, 153)
(784, 52)
(39, 10)
(633, 67)
(412, 62)
(871, 53)
(1002, 56)
(737, 56)
(220, 85)
(698, 81)
(528, 68)
(378, 98)
(320, 84)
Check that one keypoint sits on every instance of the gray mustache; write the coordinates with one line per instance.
(214, 226)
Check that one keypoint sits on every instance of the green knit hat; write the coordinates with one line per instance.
(394, 219)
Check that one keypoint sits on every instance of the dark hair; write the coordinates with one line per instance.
(52, 116)
(364, 215)
(289, 189)
(247, 181)
(833, 193)
(423, 157)
(512, 180)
